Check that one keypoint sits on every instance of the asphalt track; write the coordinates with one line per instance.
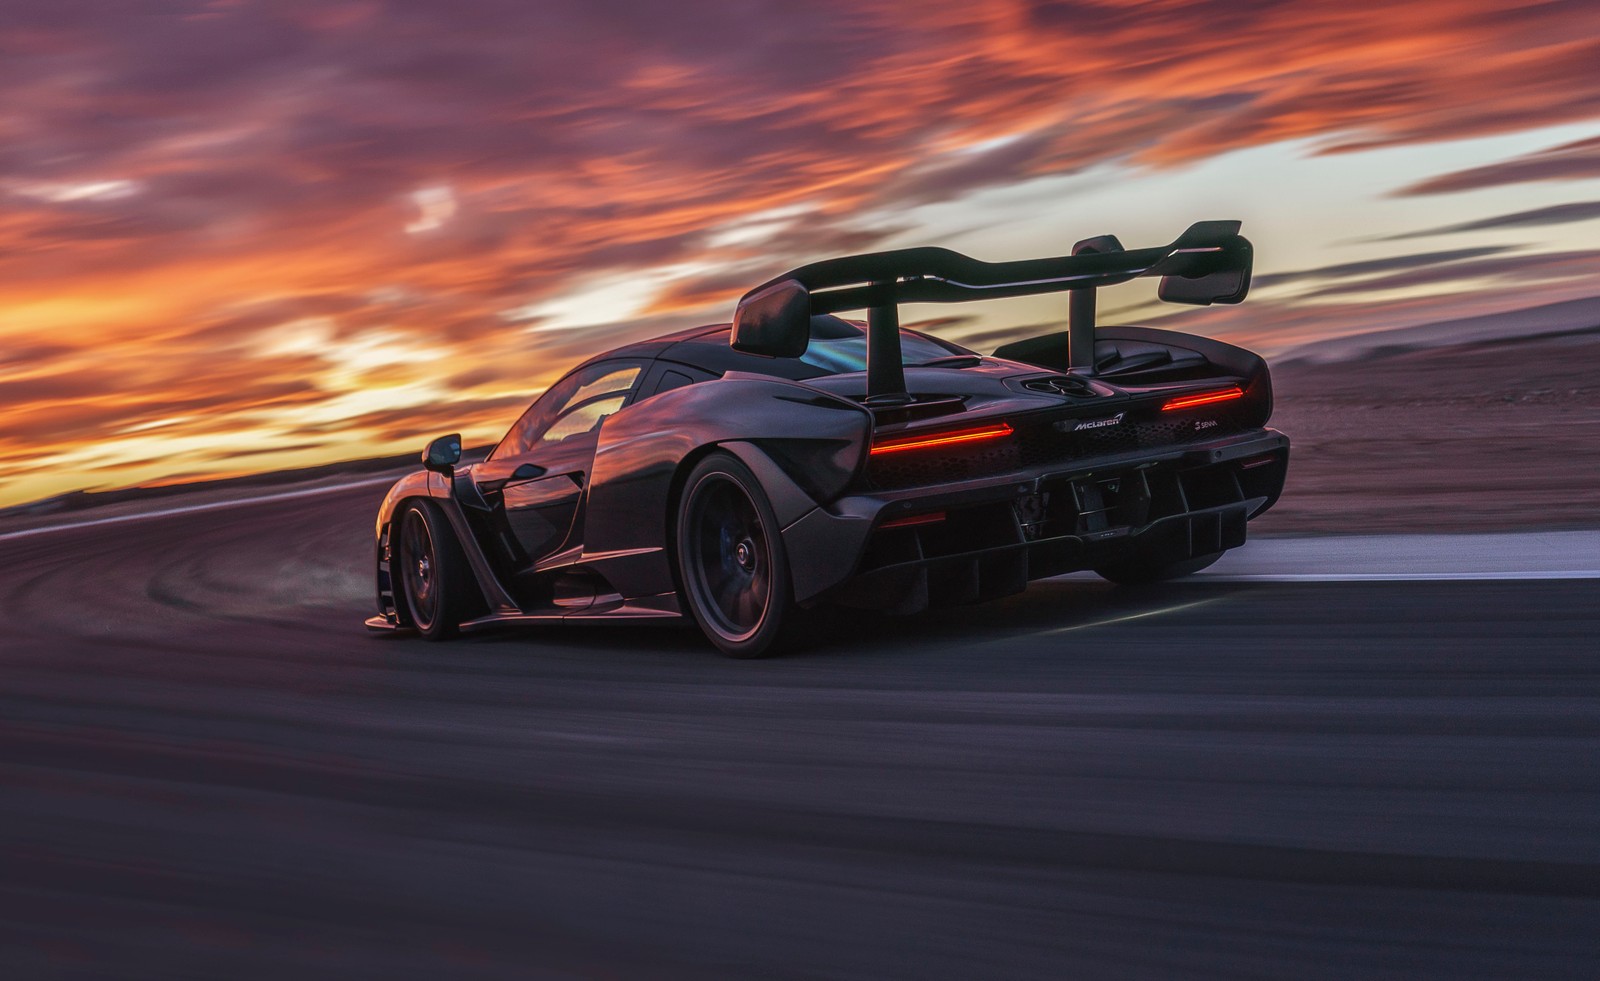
(207, 768)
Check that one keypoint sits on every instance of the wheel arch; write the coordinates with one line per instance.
(680, 477)
(419, 484)
(774, 629)
(433, 487)
(790, 502)
(775, 427)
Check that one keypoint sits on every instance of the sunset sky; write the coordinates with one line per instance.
(241, 236)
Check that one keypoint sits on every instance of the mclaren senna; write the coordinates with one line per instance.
(743, 474)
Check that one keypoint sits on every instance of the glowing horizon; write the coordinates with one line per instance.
(242, 237)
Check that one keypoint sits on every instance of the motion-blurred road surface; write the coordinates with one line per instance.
(207, 768)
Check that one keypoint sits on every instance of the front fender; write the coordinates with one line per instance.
(422, 483)
(429, 484)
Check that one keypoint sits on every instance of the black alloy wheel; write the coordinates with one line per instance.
(432, 570)
(731, 561)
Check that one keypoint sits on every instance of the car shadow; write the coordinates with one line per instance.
(1047, 606)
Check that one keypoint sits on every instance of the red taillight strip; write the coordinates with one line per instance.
(948, 437)
(1204, 398)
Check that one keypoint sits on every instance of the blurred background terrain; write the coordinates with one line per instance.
(240, 238)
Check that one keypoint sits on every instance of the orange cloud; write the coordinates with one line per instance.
(269, 228)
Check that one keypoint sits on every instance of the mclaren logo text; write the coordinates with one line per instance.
(1115, 420)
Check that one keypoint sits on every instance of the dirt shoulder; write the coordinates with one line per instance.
(1482, 437)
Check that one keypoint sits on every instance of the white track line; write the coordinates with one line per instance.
(1401, 576)
(195, 508)
(1533, 555)
(1145, 615)
(1540, 555)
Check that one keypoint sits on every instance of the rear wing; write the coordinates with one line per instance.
(1209, 263)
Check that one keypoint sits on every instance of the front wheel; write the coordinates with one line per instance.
(731, 561)
(1142, 571)
(434, 577)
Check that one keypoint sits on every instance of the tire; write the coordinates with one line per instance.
(435, 583)
(731, 562)
(1137, 573)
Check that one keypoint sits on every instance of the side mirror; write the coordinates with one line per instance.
(1220, 277)
(443, 454)
(774, 322)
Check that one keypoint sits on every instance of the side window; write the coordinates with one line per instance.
(583, 417)
(669, 375)
(671, 380)
(572, 406)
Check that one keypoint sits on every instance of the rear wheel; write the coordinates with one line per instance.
(731, 561)
(433, 573)
(1148, 570)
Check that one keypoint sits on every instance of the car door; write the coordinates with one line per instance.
(536, 477)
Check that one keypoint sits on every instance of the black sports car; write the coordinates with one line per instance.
(741, 474)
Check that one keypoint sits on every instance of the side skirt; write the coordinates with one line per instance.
(662, 608)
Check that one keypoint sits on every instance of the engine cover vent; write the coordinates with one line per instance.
(1068, 385)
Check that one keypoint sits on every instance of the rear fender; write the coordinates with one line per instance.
(1220, 359)
(789, 500)
(822, 546)
(804, 444)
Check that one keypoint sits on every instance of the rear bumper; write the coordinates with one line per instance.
(1002, 570)
(988, 538)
